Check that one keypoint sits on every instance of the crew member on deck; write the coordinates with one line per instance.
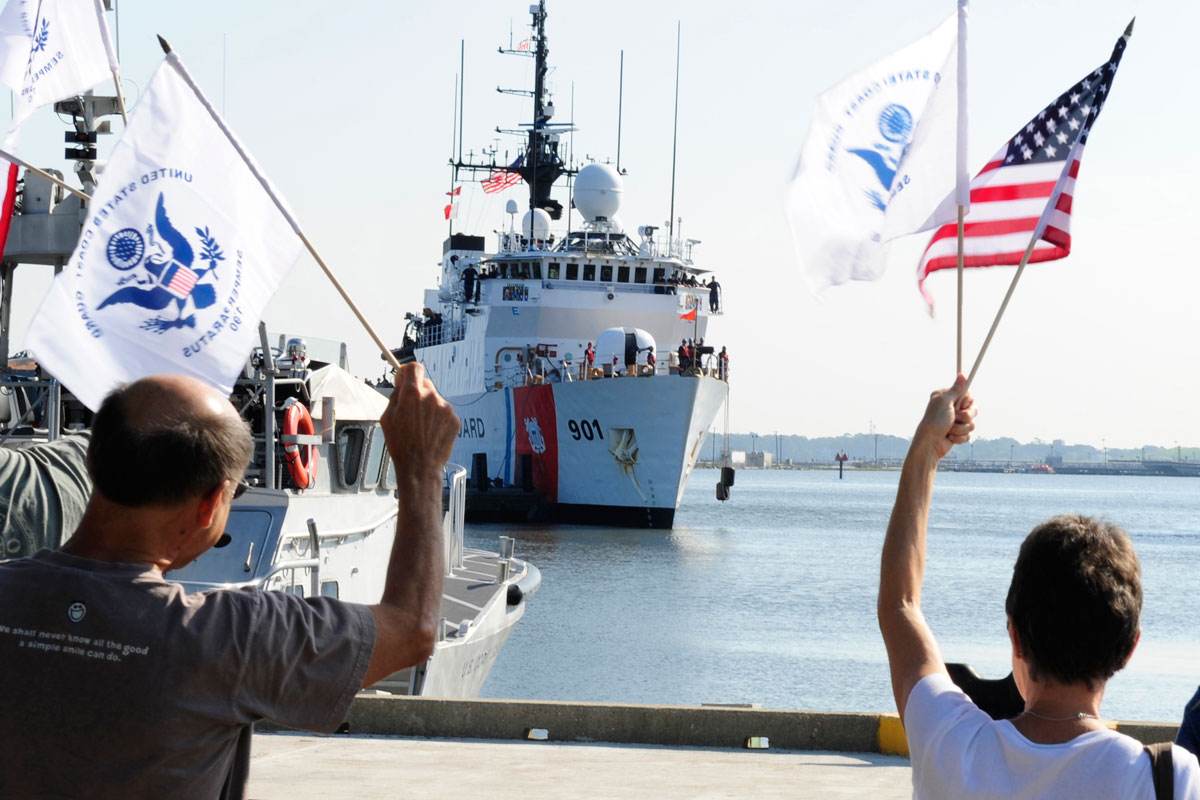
(470, 287)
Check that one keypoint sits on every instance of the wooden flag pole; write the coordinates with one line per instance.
(44, 174)
(183, 73)
(996, 322)
(120, 96)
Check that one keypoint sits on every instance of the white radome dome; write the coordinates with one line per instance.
(612, 343)
(598, 189)
(541, 224)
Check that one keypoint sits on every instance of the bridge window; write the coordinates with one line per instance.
(349, 449)
(589, 272)
(639, 275)
(572, 271)
(376, 455)
(606, 273)
(622, 274)
(552, 272)
(537, 270)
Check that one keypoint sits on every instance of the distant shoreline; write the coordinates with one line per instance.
(1174, 469)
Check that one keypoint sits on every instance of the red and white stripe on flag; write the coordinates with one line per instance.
(1007, 207)
(499, 181)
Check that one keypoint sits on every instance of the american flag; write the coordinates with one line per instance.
(1025, 192)
(499, 181)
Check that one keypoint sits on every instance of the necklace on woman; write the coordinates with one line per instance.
(1073, 718)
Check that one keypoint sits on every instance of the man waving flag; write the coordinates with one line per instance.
(1023, 196)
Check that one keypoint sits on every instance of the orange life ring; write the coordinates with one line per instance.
(302, 460)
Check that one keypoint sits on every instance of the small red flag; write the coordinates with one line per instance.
(6, 207)
(690, 316)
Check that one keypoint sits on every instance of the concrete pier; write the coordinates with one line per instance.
(289, 766)
(431, 747)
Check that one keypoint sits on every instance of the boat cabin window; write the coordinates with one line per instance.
(349, 455)
(525, 270)
(297, 590)
(589, 272)
(639, 275)
(622, 274)
(536, 274)
(376, 453)
(389, 479)
(606, 273)
(329, 589)
(552, 272)
(572, 271)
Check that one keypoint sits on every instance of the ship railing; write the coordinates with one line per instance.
(669, 248)
(516, 243)
(441, 332)
(24, 402)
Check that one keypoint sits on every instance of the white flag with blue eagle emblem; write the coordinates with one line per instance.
(878, 160)
(184, 244)
(53, 49)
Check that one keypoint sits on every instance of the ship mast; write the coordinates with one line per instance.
(541, 164)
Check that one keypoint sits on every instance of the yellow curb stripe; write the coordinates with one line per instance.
(892, 741)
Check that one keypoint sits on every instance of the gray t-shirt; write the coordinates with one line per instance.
(118, 683)
(43, 491)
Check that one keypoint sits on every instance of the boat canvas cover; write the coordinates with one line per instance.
(354, 399)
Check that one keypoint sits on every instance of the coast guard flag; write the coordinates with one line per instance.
(184, 244)
(52, 49)
(877, 161)
(1026, 190)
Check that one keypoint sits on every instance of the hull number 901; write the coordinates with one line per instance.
(583, 429)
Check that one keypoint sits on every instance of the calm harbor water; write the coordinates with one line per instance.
(770, 598)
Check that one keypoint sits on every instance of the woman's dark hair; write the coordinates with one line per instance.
(174, 458)
(1075, 599)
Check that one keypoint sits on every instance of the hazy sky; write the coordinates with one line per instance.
(349, 106)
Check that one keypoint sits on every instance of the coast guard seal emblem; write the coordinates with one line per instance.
(169, 274)
(896, 127)
(537, 442)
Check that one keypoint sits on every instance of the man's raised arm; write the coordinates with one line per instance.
(420, 428)
(911, 648)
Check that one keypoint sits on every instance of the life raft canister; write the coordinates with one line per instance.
(301, 459)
